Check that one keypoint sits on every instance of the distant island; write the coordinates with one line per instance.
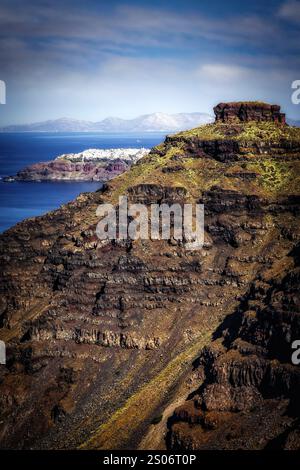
(89, 165)
(155, 122)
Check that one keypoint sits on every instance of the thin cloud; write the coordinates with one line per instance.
(127, 25)
(290, 11)
(222, 72)
(89, 61)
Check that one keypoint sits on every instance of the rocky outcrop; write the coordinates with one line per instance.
(249, 111)
(113, 332)
(89, 165)
(65, 170)
(154, 193)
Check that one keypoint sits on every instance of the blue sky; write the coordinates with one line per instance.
(92, 59)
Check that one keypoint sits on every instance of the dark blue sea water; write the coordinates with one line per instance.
(20, 200)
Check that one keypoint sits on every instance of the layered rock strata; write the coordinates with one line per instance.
(89, 165)
(251, 111)
(104, 336)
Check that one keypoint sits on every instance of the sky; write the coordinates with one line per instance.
(93, 59)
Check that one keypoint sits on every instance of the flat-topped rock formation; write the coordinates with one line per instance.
(249, 111)
(105, 337)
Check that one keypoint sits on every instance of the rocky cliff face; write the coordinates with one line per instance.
(69, 171)
(251, 111)
(248, 395)
(102, 337)
(89, 165)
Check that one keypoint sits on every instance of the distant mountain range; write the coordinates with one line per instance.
(156, 122)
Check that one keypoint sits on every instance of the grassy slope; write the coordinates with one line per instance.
(274, 176)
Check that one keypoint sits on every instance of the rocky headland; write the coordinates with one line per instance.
(145, 344)
(89, 165)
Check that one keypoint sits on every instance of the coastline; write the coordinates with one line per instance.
(89, 165)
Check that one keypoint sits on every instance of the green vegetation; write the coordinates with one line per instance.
(277, 175)
(264, 146)
(267, 132)
(251, 131)
(255, 103)
(205, 132)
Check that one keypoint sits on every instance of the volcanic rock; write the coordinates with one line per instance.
(249, 111)
(89, 165)
(104, 336)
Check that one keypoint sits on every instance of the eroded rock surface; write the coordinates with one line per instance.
(251, 111)
(96, 327)
(89, 165)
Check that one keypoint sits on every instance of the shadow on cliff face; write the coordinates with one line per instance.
(250, 356)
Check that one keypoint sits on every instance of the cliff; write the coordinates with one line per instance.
(89, 165)
(249, 111)
(146, 344)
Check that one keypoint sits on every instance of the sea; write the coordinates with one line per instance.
(20, 200)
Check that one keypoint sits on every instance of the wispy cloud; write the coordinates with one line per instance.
(131, 25)
(89, 60)
(290, 11)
